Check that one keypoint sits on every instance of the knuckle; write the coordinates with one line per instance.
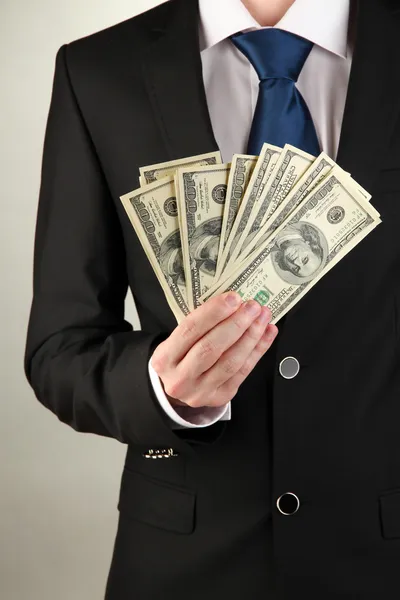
(221, 306)
(246, 369)
(188, 327)
(255, 331)
(264, 345)
(202, 397)
(195, 402)
(215, 306)
(159, 359)
(266, 342)
(230, 365)
(174, 388)
(240, 321)
(207, 348)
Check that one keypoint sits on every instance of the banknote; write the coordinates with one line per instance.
(265, 165)
(360, 189)
(201, 200)
(318, 170)
(328, 223)
(242, 168)
(157, 171)
(152, 210)
(291, 165)
(267, 227)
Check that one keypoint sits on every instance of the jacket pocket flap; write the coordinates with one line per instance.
(157, 503)
(390, 514)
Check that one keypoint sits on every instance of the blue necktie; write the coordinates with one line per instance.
(281, 116)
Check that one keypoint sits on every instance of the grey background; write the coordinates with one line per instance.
(59, 489)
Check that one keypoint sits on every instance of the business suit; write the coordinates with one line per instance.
(204, 522)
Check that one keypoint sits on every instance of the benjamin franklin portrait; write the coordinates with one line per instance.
(204, 245)
(171, 260)
(299, 253)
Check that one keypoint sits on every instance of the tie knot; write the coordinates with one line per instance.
(274, 53)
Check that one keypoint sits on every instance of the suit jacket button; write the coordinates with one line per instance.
(289, 367)
(288, 504)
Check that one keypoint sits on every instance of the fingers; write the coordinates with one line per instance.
(231, 386)
(193, 328)
(209, 349)
(234, 358)
(203, 394)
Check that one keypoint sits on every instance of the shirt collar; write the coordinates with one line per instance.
(324, 23)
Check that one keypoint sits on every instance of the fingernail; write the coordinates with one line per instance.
(252, 307)
(233, 299)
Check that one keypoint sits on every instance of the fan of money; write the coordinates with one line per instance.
(268, 227)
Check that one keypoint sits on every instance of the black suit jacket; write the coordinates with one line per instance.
(204, 523)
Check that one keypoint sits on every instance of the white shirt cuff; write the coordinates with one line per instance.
(183, 417)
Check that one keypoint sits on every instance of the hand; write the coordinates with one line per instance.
(212, 351)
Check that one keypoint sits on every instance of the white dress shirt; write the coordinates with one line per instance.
(231, 86)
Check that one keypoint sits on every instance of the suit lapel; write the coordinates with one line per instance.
(173, 75)
(372, 103)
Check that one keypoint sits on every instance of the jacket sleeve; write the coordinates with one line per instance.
(83, 360)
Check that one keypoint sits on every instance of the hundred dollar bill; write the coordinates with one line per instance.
(287, 177)
(185, 250)
(311, 178)
(319, 169)
(328, 223)
(177, 190)
(241, 170)
(202, 194)
(290, 167)
(157, 171)
(153, 213)
(265, 165)
(360, 189)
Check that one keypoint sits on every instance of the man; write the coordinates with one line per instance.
(205, 245)
(268, 470)
(171, 260)
(298, 250)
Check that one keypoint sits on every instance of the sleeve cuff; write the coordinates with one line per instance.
(186, 417)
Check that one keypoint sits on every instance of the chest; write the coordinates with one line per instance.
(232, 84)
